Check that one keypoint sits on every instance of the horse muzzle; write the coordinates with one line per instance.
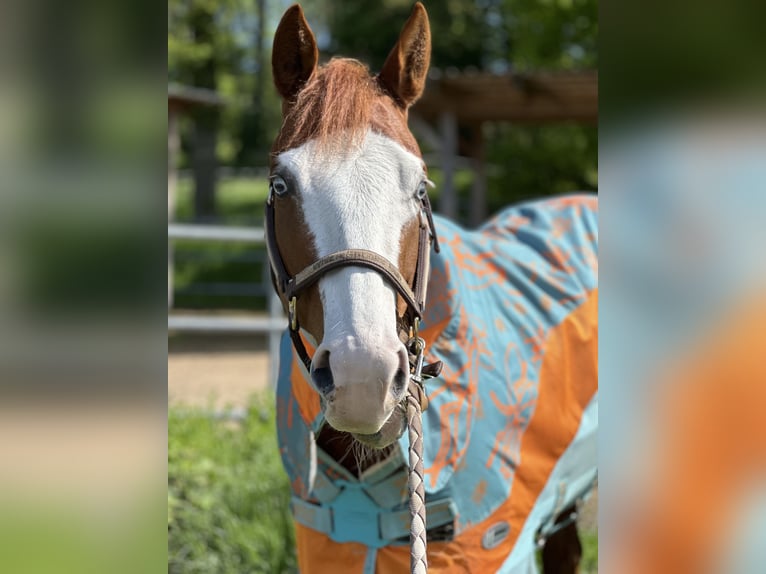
(361, 387)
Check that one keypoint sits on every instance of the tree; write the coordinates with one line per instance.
(225, 45)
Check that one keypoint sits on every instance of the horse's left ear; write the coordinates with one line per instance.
(404, 73)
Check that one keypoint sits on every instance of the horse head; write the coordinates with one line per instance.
(347, 217)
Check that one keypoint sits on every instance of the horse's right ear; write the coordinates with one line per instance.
(404, 73)
(295, 54)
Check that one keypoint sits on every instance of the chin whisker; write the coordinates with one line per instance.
(349, 450)
(362, 453)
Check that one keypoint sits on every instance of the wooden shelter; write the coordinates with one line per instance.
(520, 98)
(460, 103)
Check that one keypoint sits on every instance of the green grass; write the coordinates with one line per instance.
(589, 564)
(228, 496)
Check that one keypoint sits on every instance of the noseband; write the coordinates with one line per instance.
(290, 287)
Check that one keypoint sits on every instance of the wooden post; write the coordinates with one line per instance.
(448, 195)
(174, 145)
(275, 337)
(478, 208)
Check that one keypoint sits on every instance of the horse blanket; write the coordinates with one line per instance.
(510, 432)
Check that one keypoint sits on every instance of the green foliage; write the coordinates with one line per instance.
(368, 30)
(589, 563)
(495, 35)
(535, 161)
(224, 37)
(189, 49)
(551, 34)
(228, 496)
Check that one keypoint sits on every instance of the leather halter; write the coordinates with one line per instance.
(291, 287)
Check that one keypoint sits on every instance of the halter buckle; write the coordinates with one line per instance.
(293, 316)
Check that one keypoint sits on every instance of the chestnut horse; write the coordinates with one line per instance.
(510, 430)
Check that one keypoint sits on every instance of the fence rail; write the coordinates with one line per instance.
(272, 326)
(215, 233)
(207, 324)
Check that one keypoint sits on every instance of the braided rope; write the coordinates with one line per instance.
(416, 484)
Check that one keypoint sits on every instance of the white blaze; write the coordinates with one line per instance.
(358, 198)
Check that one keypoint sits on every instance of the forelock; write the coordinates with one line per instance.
(342, 98)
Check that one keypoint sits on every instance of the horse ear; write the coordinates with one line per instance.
(295, 54)
(404, 73)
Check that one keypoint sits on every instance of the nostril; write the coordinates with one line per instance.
(321, 375)
(400, 383)
(322, 378)
(401, 377)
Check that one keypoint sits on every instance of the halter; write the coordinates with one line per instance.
(290, 287)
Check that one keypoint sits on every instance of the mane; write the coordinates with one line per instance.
(341, 97)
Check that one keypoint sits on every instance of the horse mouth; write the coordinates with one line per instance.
(389, 433)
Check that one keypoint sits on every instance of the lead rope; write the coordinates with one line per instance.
(416, 403)
(418, 563)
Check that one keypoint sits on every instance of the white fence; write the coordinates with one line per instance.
(273, 325)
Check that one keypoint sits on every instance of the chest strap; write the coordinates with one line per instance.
(376, 529)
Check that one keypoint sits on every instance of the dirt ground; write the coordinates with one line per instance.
(216, 371)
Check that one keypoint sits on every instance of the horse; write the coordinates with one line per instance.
(509, 425)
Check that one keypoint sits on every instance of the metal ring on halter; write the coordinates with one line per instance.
(292, 314)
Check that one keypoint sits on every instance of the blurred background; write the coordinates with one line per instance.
(510, 113)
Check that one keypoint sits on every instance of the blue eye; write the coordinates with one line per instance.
(278, 186)
(422, 190)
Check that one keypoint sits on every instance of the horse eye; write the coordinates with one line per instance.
(278, 186)
(422, 191)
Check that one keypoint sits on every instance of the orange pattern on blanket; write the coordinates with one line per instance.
(308, 399)
(318, 554)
